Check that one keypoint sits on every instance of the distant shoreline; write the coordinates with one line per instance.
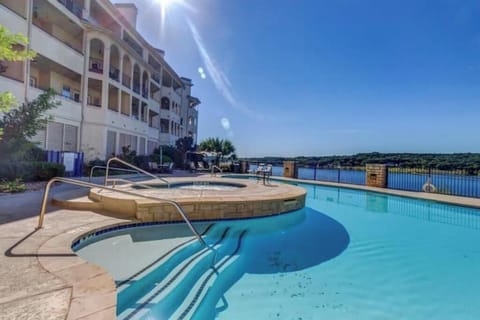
(442, 161)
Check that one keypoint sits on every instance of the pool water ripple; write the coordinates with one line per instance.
(352, 255)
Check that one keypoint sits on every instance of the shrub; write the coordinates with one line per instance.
(141, 162)
(13, 186)
(31, 170)
(155, 157)
(47, 170)
(96, 162)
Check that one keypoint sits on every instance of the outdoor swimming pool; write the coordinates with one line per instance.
(348, 254)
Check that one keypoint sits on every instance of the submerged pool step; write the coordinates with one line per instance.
(188, 308)
(173, 252)
(157, 286)
(144, 280)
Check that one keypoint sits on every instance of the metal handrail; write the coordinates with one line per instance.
(103, 167)
(115, 180)
(213, 169)
(93, 185)
(134, 167)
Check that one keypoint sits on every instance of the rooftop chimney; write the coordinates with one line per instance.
(129, 11)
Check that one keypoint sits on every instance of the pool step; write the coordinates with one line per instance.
(173, 256)
(222, 269)
(75, 200)
(152, 287)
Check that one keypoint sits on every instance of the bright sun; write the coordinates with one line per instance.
(166, 3)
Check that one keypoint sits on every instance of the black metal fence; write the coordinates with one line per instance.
(464, 183)
(350, 175)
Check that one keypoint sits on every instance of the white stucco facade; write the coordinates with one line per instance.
(115, 89)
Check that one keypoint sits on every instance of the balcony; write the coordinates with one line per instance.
(145, 92)
(51, 20)
(126, 80)
(73, 7)
(96, 65)
(114, 73)
(156, 77)
(132, 44)
(67, 109)
(13, 17)
(136, 88)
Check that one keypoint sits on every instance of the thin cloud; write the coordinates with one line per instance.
(219, 78)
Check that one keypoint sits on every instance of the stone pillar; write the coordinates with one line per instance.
(376, 175)
(290, 169)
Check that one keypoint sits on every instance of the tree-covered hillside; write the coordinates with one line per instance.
(409, 160)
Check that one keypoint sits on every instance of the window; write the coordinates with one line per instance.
(111, 143)
(76, 96)
(61, 137)
(66, 92)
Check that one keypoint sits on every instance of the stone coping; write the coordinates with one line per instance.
(93, 293)
(253, 200)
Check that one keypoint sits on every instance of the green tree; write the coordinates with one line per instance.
(211, 145)
(185, 144)
(22, 123)
(9, 52)
(222, 147)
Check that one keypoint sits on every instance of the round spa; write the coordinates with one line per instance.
(197, 185)
(202, 199)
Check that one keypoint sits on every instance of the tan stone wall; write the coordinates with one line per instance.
(148, 211)
(376, 175)
(290, 169)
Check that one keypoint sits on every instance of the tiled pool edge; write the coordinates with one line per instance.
(93, 290)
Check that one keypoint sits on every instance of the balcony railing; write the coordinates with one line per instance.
(73, 7)
(114, 73)
(94, 101)
(96, 65)
(73, 96)
(45, 26)
(156, 77)
(136, 88)
(126, 80)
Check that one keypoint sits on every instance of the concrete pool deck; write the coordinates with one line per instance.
(41, 278)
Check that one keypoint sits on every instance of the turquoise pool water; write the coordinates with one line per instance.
(348, 255)
(197, 185)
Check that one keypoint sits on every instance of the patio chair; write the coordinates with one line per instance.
(268, 172)
(169, 168)
(192, 166)
(201, 167)
(260, 168)
(152, 167)
(260, 171)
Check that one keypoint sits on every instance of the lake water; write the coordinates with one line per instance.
(461, 185)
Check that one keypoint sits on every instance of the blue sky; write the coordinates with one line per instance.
(301, 77)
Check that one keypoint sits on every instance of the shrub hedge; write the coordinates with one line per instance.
(31, 170)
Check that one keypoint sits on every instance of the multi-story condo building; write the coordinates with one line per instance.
(115, 88)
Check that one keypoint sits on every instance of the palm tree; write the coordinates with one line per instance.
(211, 145)
(222, 147)
(227, 148)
